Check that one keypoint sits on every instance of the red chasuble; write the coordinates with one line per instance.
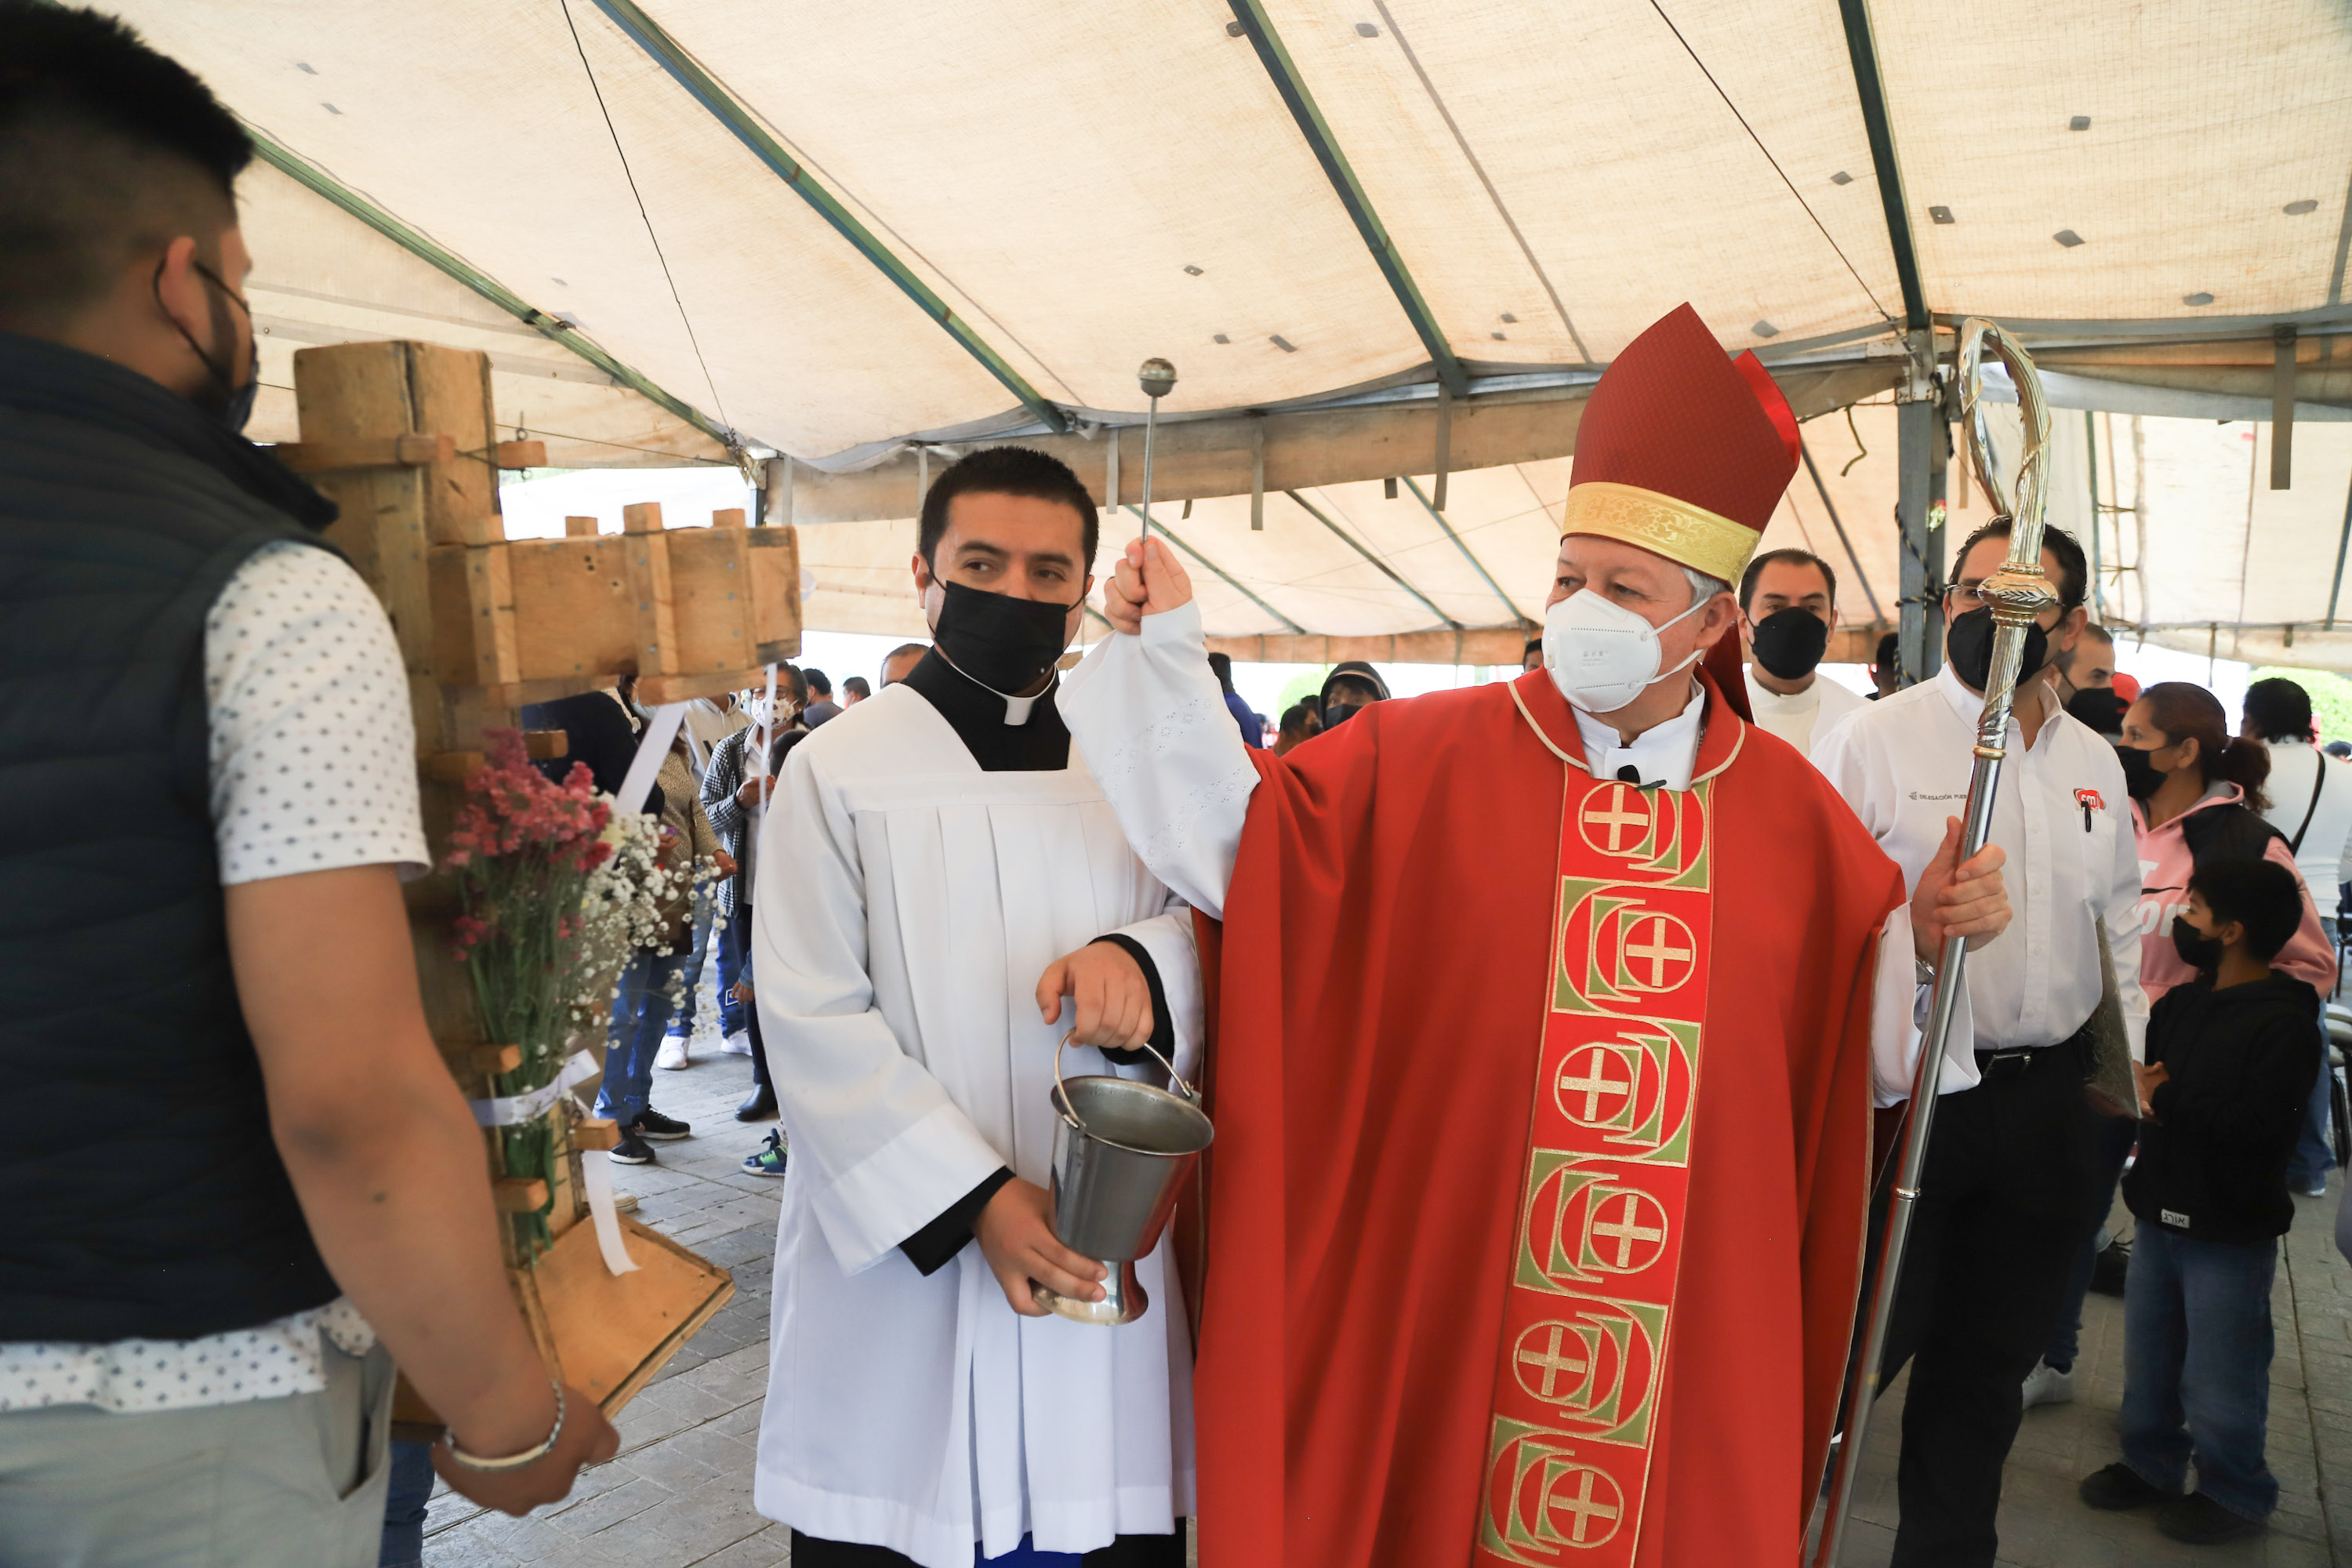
(1543, 1114)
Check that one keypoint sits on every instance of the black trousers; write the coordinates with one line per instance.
(2004, 1203)
(1125, 1551)
(738, 934)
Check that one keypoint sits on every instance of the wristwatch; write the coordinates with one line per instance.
(1923, 971)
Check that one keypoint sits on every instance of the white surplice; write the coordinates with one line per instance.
(907, 904)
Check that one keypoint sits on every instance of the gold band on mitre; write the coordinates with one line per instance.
(1676, 529)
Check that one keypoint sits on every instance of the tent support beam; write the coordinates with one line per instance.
(2341, 544)
(666, 53)
(1389, 571)
(303, 174)
(1830, 506)
(1917, 485)
(1231, 581)
(1259, 27)
(1861, 48)
(1463, 545)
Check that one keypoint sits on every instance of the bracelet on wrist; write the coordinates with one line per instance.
(510, 1461)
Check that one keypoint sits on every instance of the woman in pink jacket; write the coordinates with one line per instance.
(2196, 793)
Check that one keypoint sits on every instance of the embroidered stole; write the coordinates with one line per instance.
(1587, 1318)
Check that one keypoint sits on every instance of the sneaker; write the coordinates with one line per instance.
(2201, 1521)
(2317, 1189)
(738, 1043)
(2119, 1486)
(2045, 1384)
(759, 1105)
(770, 1159)
(630, 1151)
(651, 1124)
(672, 1054)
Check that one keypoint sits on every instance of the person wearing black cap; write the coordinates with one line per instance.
(1351, 687)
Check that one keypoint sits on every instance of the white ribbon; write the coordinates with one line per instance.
(513, 1111)
(596, 1175)
(646, 766)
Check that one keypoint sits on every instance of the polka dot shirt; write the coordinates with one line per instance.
(313, 769)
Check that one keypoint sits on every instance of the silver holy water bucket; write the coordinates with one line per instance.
(1121, 1150)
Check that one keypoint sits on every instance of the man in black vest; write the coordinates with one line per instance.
(251, 1184)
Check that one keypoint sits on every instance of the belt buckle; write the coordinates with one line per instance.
(2002, 1064)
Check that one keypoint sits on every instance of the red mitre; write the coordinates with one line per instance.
(1681, 450)
(1686, 453)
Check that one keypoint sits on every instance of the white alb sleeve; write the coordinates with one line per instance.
(1898, 1019)
(882, 1147)
(1150, 719)
(1169, 938)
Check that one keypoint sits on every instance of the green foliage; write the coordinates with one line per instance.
(1301, 688)
(2331, 698)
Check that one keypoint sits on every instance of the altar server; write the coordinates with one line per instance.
(956, 882)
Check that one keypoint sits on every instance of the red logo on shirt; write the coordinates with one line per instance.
(2088, 799)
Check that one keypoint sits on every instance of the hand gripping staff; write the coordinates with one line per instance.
(2016, 593)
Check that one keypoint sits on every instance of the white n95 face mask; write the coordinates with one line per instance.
(1601, 655)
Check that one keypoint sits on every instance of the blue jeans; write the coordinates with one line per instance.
(403, 1505)
(730, 1011)
(2315, 1154)
(2117, 1135)
(2197, 1366)
(641, 1010)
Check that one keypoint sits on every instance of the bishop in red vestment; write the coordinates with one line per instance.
(1551, 1014)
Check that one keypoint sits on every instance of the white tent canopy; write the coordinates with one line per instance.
(865, 236)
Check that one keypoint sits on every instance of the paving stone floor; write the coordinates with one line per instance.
(2043, 1524)
(680, 1491)
(679, 1495)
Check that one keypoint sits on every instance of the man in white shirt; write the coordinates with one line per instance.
(2311, 803)
(1788, 608)
(2011, 1167)
(253, 1183)
(947, 848)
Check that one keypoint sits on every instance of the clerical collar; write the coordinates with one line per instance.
(1662, 756)
(1764, 700)
(1004, 734)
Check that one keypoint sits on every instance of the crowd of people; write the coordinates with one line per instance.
(1559, 1026)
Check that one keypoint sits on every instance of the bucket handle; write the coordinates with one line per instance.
(1175, 1081)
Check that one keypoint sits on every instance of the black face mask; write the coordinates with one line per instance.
(1790, 643)
(2196, 949)
(1969, 645)
(224, 398)
(2099, 708)
(2142, 777)
(1341, 712)
(1007, 645)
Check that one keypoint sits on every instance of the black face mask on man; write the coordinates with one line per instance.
(223, 396)
(1790, 643)
(1967, 643)
(1007, 645)
(2196, 949)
